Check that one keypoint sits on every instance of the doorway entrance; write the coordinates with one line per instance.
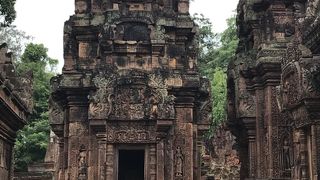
(131, 165)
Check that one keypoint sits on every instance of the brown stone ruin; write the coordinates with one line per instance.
(130, 103)
(273, 89)
(15, 107)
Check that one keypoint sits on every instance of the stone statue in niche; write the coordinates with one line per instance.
(286, 156)
(82, 163)
(179, 162)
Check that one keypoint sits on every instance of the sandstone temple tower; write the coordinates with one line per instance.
(274, 89)
(130, 103)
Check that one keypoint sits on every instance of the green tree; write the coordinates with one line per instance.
(207, 40)
(219, 92)
(32, 140)
(216, 51)
(7, 12)
(228, 43)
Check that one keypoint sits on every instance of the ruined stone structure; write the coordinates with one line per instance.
(224, 161)
(15, 106)
(273, 89)
(130, 103)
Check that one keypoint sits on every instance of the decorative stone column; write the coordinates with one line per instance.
(152, 162)
(303, 156)
(110, 162)
(102, 149)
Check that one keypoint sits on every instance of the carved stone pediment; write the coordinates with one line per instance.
(131, 95)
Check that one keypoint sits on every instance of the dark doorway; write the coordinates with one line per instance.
(131, 165)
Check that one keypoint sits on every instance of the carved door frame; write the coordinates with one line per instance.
(144, 147)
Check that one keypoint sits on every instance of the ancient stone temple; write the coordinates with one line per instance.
(130, 103)
(273, 89)
(15, 107)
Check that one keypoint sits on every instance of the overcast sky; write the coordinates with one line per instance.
(43, 19)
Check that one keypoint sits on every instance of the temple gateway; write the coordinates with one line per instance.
(130, 103)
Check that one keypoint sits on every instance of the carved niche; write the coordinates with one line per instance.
(286, 157)
(82, 163)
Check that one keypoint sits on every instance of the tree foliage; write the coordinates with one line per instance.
(216, 51)
(33, 138)
(15, 39)
(7, 12)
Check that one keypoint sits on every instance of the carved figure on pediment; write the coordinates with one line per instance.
(311, 79)
(290, 87)
(167, 108)
(56, 112)
(246, 104)
(160, 88)
(179, 162)
(154, 107)
(82, 163)
(101, 101)
(306, 83)
(160, 96)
